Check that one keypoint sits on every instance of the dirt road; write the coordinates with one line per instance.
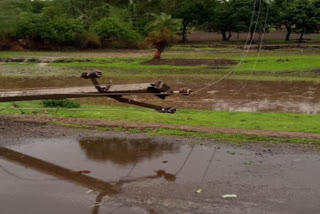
(40, 168)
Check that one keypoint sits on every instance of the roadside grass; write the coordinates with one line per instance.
(235, 139)
(291, 122)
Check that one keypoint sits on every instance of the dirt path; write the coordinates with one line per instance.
(142, 125)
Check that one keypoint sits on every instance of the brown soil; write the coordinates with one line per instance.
(141, 125)
(10, 45)
(192, 62)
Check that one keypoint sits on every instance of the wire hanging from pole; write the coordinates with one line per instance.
(244, 53)
(259, 50)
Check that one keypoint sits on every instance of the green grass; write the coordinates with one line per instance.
(125, 64)
(266, 64)
(230, 138)
(122, 63)
(235, 139)
(280, 64)
(239, 120)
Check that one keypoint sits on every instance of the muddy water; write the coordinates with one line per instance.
(43, 177)
(227, 95)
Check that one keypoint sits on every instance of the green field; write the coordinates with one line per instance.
(282, 64)
(290, 122)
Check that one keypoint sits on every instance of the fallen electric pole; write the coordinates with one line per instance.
(115, 92)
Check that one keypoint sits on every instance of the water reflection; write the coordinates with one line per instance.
(103, 188)
(122, 151)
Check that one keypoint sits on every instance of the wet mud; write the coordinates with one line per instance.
(133, 173)
(227, 95)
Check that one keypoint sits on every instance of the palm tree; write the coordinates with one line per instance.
(162, 30)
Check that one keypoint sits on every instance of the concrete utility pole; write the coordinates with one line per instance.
(115, 92)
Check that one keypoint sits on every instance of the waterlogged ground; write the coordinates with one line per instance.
(136, 174)
(281, 77)
(226, 95)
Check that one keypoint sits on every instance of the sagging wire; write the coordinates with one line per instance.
(256, 61)
(131, 170)
(22, 178)
(4, 108)
(209, 165)
(185, 161)
(244, 53)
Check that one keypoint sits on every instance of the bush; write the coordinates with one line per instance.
(90, 40)
(66, 30)
(60, 103)
(38, 28)
(34, 27)
(114, 28)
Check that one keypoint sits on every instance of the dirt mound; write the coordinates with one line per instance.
(192, 62)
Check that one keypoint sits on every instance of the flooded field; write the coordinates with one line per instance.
(227, 95)
(90, 173)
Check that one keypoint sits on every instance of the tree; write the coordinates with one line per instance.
(162, 30)
(9, 14)
(231, 16)
(305, 17)
(301, 16)
(260, 18)
(192, 12)
(283, 15)
(67, 30)
(114, 28)
(35, 28)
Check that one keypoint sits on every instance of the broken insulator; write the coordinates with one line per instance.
(185, 91)
(91, 75)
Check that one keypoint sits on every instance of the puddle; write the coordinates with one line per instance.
(256, 96)
(42, 176)
(121, 160)
(48, 169)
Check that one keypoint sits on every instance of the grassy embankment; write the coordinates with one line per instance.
(238, 120)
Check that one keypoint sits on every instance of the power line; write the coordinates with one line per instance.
(244, 53)
(259, 50)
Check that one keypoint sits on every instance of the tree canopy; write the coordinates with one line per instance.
(70, 22)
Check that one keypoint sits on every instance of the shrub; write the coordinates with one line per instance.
(90, 40)
(34, 27)
(38, 28)
(114, 28)
(66, 30)
(60, 103)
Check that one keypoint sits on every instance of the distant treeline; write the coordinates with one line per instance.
(134, 23)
